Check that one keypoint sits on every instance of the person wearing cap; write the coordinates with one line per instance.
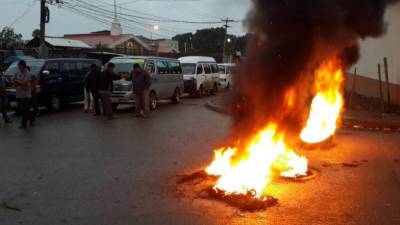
(3, 98)
(23, 83)
(141, 81)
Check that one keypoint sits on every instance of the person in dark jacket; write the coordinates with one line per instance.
(93, 82)
(141, 81)
(106, 88)
(3, 98)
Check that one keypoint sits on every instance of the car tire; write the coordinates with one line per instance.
(200, 92)
(177, 96)
(54, 103)
(153, 101)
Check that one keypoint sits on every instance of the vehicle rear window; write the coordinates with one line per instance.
(189, 68)
(35, 68)
(123, 67)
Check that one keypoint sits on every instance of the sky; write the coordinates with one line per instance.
(23, 16)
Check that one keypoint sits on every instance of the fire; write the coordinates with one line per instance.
(327, 105)
(266, 154)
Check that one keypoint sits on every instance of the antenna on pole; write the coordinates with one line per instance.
(116, 28)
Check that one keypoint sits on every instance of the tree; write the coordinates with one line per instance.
(8, 38)
(185, 42)
(36, 33)
(210, 42)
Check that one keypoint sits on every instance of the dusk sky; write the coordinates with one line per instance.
(23, 15)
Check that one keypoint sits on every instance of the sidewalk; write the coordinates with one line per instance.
(351, 118)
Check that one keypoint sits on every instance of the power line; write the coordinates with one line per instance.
(150, 17)
(28, 9)
(104, 19)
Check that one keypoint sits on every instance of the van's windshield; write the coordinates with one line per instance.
(189, 68)
(35, 67)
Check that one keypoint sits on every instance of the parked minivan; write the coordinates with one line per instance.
(226, 71)
(60, 81)
(166, 75)
(201, 75)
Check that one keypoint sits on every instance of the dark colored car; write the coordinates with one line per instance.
(60, 81)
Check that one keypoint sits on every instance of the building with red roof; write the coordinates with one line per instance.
(120, 43)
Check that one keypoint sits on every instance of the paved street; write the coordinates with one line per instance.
(73, 168)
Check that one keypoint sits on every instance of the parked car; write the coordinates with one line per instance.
(201, 75)
(60, 81)
(226, 71)
(166, 74)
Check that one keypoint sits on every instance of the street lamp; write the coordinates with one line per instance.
(229, 40)
(154, 28)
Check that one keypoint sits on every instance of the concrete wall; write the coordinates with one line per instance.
(370, 88)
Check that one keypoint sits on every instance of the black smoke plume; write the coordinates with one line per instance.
(289, 39)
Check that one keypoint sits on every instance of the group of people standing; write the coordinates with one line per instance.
(99, 87)
(25, 86)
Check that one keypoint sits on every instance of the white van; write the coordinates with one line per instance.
(166, 75)
(226, 71)
(201, 75)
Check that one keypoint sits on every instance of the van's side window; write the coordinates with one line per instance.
(214, 68)
(199, 69)
(162, 67)
(151, 68)
(53, 68)
(207, 68)
(175, 67)
(69, 69)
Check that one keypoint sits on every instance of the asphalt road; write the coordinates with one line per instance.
(73, 168)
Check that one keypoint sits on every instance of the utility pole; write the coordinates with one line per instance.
(385, 64)
(380, 88)
(226, 26)
(353, 88)
(44, 18)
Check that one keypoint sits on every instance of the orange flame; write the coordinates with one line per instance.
(266, 153)
(327, 105)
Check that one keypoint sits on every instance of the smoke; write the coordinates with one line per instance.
(289, 39)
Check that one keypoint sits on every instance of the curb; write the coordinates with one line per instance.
(347, 121)
(216, 108)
